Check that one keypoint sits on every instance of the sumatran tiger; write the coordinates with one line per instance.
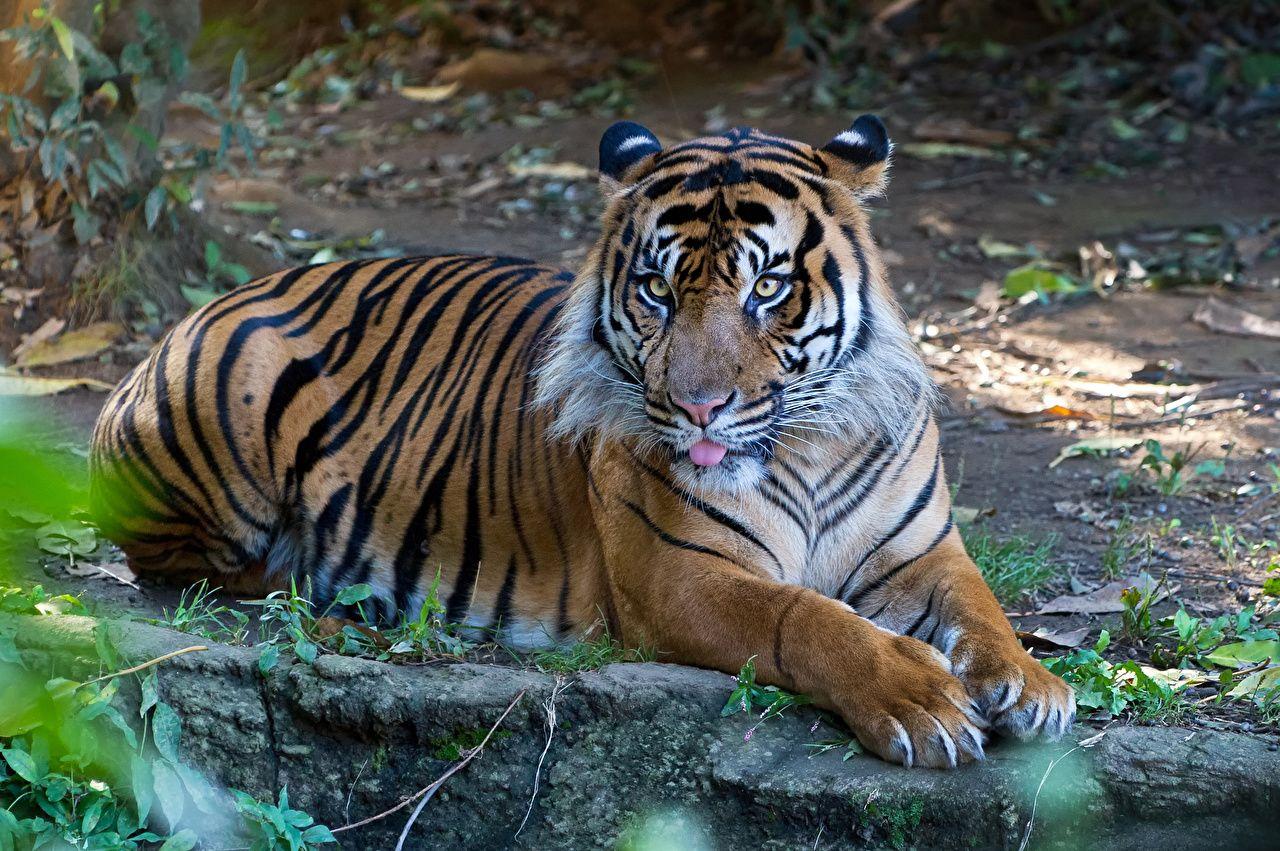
(717, 440)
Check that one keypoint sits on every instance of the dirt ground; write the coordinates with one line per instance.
(1025, 380)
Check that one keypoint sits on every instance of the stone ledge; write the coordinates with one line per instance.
(641, 739)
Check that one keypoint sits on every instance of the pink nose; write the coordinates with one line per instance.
(700, 414)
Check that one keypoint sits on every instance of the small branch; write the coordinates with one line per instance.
(430, 790)
(560, 686)
(156, 661)
(119, 579)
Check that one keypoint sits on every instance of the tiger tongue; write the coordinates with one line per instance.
(707, 453)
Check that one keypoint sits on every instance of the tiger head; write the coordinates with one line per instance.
(734, 306)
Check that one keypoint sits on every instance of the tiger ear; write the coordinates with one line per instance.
(859, 157)
(622, 147)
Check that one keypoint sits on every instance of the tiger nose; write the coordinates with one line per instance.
(702, 413)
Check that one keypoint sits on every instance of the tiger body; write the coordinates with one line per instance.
(702, 465)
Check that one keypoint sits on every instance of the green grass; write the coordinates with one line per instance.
(1013, 567)
(587, 655)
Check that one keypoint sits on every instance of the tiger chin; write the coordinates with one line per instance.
(716, 440)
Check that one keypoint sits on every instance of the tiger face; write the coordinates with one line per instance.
(734, 306)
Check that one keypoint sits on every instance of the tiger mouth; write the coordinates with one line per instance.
(707, 454)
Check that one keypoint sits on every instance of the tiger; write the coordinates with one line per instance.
(717, 441)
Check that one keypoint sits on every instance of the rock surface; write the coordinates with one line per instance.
(642, 748)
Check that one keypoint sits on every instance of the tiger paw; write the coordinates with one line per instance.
(1015, 693)
(914, 712)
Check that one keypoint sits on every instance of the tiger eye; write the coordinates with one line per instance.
(658, 287)
(767, 287)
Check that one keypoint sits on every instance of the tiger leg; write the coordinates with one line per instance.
(894, 692)
(956, 612)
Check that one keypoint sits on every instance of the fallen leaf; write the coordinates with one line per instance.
(1033, 279)
(118, 572)
(1104, 600)
(20, 296)
(1052, 412)
(1259, 683)
(479, 188)
(937, 150)
(493, 70)
(954, 130)
(253, 208)
(1048, 639)
(994, 249)
(1094, 446)
(1175, 678)
(70, 346)
(48, 330)
(1224, 318)
(430, 94)
(1245, 653)
(557, 171)
(328, 626)
(23, 385)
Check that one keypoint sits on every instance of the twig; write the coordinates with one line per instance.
(560, 686)
(1212, 577)
(119, 579)
(430, 790)
(1031, 820)
(346, 810)
(1177, 418)
(156, 661)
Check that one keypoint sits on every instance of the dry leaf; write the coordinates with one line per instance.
(430, 94)
(118, 572)
(953, 130)
(72, 346)
(1104, 600)
(24, 385)
(49, 329)
(1048, 639)
(1226, 319)
(557, 171)
(20, 296)
(327, 627)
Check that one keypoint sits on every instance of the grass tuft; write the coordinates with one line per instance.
(1013, 567)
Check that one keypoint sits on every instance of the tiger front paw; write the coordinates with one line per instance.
(913, 711)
(1014, 692)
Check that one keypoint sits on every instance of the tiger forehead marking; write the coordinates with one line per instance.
(738, 299)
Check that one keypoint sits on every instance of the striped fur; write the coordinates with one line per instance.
(522, 434)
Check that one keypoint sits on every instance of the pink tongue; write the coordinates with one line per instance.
(707, 453)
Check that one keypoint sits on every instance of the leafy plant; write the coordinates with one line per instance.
(277, 826)
(748, 696)
(1170, 473)
(850, 746)
(1135, 617)
(76, 118)
(75, 772)
(1115, 688)
(289, 621)
(1013, 567)
(199, 613)
(219, 276)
